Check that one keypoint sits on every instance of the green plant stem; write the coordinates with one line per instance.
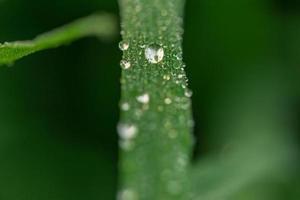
(100, 25)
(153, 164)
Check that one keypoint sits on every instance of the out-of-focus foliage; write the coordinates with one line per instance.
(243, 67)
(58, 108)
(102, 26)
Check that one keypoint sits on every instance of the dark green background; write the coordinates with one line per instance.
(59, 108)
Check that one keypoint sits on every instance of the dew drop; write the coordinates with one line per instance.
(125, 106)
(127, 131)
(144, 98)
(125, 64)
(179, 56)
(154, 53)
(188, 93)
(168, 101)
(166, 77)
(123, 45)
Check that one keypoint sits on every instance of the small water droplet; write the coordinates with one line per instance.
(144, 98)
(125, 64)
(168, 101)
(179, 56)
(188, 93)
(180, 76)
(125, 106)
(166, 77)
(123, 45)
(154, 53)
(127, 131)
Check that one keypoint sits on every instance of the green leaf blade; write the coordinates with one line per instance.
(100, 25)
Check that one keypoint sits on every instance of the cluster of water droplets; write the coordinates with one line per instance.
(125, 64)
(127, 133)
(153, 54)
(166, 61)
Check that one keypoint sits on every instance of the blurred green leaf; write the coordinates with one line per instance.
(102, 26)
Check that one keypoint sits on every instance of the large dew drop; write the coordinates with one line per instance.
(154, 53)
